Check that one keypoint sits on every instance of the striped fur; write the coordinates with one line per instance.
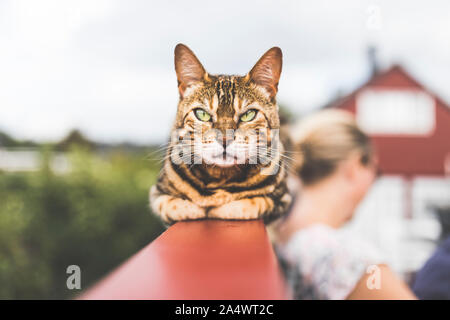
(249, 190)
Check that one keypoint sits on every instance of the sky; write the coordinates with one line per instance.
(106, 66)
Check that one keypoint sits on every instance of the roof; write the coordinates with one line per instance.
(380, 79)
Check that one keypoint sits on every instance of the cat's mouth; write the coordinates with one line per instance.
(224, 160)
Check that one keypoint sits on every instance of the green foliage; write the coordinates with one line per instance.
(9, 142)
(95, 216)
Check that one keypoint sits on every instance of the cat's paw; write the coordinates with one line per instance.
(172, 209)
(244, 209)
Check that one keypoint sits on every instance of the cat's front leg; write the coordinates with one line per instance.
(172, 209)
(244, 209)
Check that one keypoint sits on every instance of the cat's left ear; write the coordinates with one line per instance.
(266, 72)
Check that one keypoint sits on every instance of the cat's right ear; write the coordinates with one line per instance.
(188, 67)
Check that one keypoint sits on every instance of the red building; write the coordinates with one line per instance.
(410, 125)
(410, 128)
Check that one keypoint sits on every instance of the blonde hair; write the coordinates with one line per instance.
(324, 139)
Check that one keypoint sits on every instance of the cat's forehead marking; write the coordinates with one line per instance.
(225, 91)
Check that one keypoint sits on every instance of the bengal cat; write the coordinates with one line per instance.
(224, 159)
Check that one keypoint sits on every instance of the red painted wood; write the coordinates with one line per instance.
(408, 155)
(206, 259)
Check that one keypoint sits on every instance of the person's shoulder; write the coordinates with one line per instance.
(312, 242)
(317, 234)
(317, 231)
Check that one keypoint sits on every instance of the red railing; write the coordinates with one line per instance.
(207, 259)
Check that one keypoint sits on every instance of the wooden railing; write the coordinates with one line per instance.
(207, 259)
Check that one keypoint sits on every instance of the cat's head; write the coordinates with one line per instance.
(227, 120)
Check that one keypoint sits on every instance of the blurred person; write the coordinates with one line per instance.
(335, 162)
(433, 279)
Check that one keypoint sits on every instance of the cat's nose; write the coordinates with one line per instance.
(226, 140)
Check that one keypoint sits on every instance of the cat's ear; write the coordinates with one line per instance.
(266, 72)
(188, 67)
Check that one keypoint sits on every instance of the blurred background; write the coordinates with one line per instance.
(88, 94)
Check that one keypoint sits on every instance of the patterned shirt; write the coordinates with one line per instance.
(322, 263)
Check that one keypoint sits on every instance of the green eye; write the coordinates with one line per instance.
(248, 116)
(202, 115)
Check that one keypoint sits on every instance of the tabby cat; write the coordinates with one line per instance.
(224, 159)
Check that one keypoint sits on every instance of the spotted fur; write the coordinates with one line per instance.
(247, 190)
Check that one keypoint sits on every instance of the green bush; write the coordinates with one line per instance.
(95, 216)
